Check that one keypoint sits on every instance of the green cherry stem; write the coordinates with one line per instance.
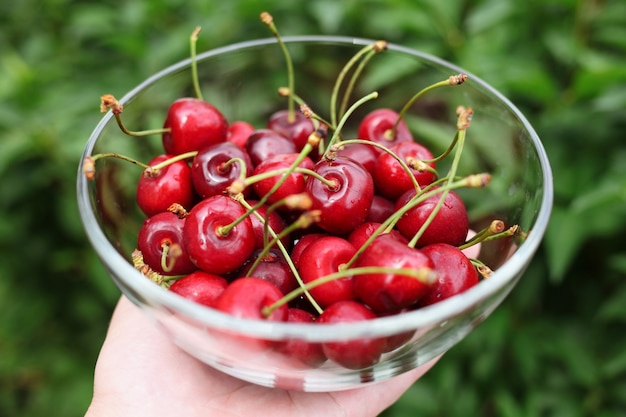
(452, 80)
(426, 275)
(336, 137)
(109, 102)
(283, 250)
(269, 21)
(193, 40)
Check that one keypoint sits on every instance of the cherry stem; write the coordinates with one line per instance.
(462, 124)
(269, 21)
(285, 172)
(452, 80)
(425, 275)
(300, 201)
(169, 254)
(145, 270)
(484, 271)
(304, 107)
(170, 161)
(379, 46)
(337, 132)
(283, 250)
(89, 163)
(496, 226)
(109, 102)
(193, 40)
(334, 116)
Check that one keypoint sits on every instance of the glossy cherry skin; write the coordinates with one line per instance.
(391, 180)
(273, 268)
(301, 244)
(307, 353)
(323, 257)
(262, 144)
(450, 225)
(238, 132)
(364, 231)
(247, 297)
(156, 192)
(376, 126)
(297, 130)
(346, 203)
(455, 273)
(366, 155)
(200, 287)
(351, 354)
(193, 124)
(209, 249)
(164, 231)
(210, 173)
(294, 183)
(388, 293)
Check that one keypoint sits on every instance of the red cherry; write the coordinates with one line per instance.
(209, 248)
(362, 233)
(247, 297)
(391, 180)
(376, 126)
(164, 232)
(308, 353)
(380, 209)
(210, 173)
(455, 271)
(262, 144)
(345, 204)
(388, 293)
(297, 130)
(351, 354)
(156, 192)
(324, 257)
(273, 268)
(194, 124)
(365, 154)
(450, 225)
(301, 244)
(200, 287)
(238, 133)
(294, 183)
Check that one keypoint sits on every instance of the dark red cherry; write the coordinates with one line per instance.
(450, 225)
(377, 125)
(307, 353)
(194, 124)
(390, 292)
(212, 169)
(391, 179)
(273, 268)
(344, 204)
(297, 130)
(157, 191)
(200, 287)
(263, 144)
(380, 209)
(208, 246)
(238, 133)
(160, 240)
(455, 271)
(323, 257)
(351, 354)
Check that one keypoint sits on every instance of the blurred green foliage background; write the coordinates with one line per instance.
(556, 347)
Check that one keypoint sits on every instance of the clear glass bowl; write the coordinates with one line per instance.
(242, 81)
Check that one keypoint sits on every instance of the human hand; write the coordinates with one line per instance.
(140, 372)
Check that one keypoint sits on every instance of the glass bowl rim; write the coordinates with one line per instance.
(383, 326)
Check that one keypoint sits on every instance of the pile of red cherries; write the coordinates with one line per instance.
(292, 222)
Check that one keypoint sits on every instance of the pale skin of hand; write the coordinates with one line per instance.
(140, 372)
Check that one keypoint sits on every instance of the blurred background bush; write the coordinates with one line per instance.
(556, 347)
